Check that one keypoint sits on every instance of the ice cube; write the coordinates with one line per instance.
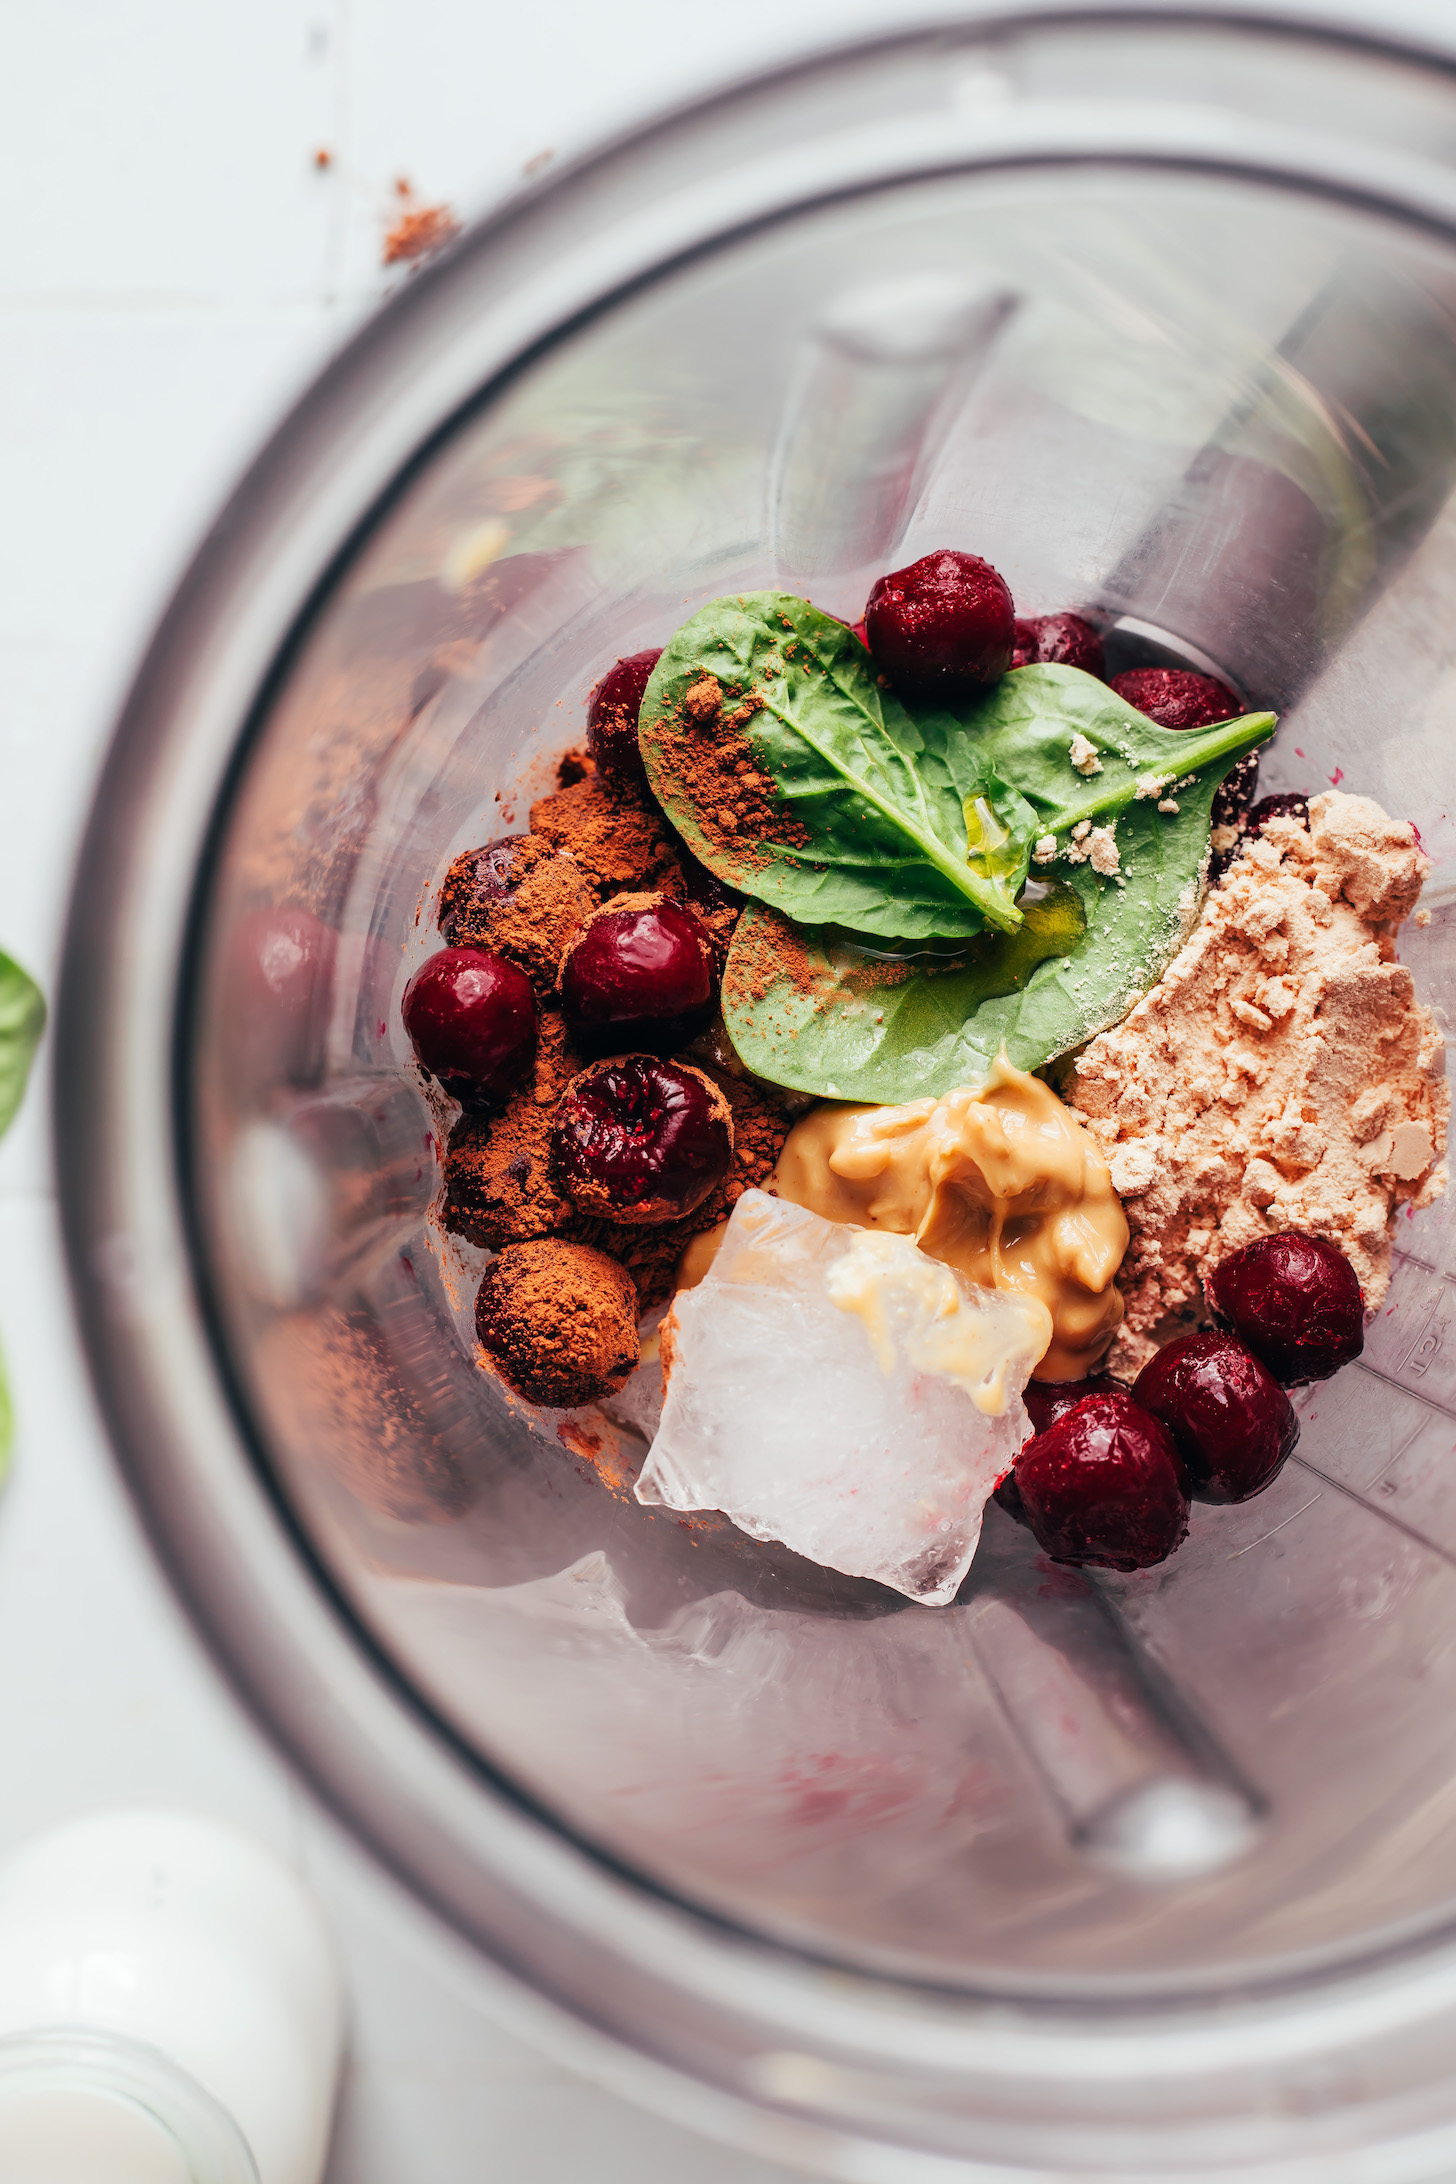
(834, 1388)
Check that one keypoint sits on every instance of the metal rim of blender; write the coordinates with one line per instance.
(699, 2017)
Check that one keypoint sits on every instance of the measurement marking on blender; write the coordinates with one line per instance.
(1417, 1395)
(1385, 1516)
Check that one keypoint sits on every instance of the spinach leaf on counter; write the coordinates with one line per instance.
(22, 1020)
(810, 1010)
(893, 826)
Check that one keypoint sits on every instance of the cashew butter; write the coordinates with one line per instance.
(1003, 1183)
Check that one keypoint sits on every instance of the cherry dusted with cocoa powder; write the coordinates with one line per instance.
(943, 627)
(1234, 1425)
(1058, 640)
(477, 877)
(641, 1140)
(1296, 1302)
(640, 962)
(471, 1019)
(1177, 698)
(612, 712)
(1104, 1486)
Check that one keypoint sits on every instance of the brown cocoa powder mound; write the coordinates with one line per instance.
(499, 1187)
(575, 765)
(531, 925)
(760, 1126)
(737, 805)
(620, 841)
(559, 1321)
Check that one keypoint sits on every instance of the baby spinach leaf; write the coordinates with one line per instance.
(22, 1020)
(891, 825)
(812, 1011)
(1026, 726)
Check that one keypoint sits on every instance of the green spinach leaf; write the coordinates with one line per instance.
(22, 1020)
(1026, 726)
(892, 826)
(812, 1011)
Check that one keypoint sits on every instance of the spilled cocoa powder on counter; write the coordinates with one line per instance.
(738, 806)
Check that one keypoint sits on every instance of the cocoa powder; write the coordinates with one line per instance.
(559, 1321)
(760, 1126)
(526, 909)
(736, 803)
(499, 1187)
(619, 841)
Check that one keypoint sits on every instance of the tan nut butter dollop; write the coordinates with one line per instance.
(1002, 1183)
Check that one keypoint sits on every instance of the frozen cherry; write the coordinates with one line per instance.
(1046, 1401)
(1176, 698)
(1233, 1423)
(943, 627)
(1063, 640)
(1235, 793)
(611, 719)
(1295, 1301)
(471, 1019)
(477, 877)
(644, 960)
(637, 1139)
(1288, 804)
(1104, 1485)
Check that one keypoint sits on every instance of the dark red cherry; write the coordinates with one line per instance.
(1176, 698)
(943, 627)
(1288, 804)
(644, 960)
(638, 1139)
(1233, 1423)
(1235, 793)
(471, 1019)
(1104, 1485)
(611, 719)
(1046, 1400)
(1295, 1301)
(477, 877)
(1063, 640)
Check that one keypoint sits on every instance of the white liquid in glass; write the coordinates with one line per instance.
(74, 2135)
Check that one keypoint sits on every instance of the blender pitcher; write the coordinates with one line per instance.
(1085, 1875)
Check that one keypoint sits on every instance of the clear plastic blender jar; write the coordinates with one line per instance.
(1142, 1877)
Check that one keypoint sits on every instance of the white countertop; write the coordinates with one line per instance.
(176, 265)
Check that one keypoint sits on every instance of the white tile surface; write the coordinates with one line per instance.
(176, 263)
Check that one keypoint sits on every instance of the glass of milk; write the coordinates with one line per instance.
(94, 2108)
(170, 2008)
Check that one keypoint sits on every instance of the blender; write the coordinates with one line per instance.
(1084, 1875)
